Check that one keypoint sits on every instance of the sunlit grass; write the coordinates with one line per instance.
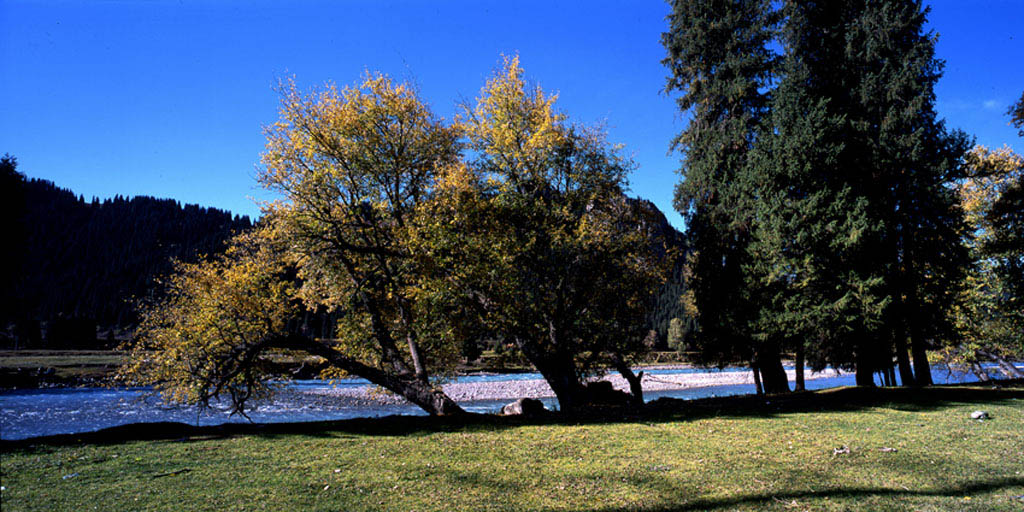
(907, 451)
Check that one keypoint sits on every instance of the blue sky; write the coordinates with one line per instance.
(167, 98)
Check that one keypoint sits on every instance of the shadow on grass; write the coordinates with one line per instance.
(785, 498)
(661, 410)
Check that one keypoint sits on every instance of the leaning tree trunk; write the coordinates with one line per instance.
(1007, 367)
(415, 389)
(980, 372)
(635, 380)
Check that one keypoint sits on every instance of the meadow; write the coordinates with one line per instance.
(840, 449)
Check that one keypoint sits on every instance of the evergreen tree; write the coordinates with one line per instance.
(861, 76)
(819, 212)
(721, 65)
(12, 203)
(810, 226)
(87, 263)
(912, 161)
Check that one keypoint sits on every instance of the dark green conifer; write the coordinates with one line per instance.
(720, 65)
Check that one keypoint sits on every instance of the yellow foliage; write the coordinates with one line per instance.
(977, 316)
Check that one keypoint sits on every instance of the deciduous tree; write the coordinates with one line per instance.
(352, 167)
(536, 232)
(989, 315)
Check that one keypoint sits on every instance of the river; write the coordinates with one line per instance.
(40, 412)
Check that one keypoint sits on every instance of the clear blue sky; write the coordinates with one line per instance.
(167, 98)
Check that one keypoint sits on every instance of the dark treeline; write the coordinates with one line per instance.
(77, 267)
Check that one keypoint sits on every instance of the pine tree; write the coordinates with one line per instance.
(819, 211)
(721, 66)
(873, 66)
(810, 225)
(913, 160)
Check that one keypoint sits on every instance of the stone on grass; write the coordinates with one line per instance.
(525, 407)
(980, 415)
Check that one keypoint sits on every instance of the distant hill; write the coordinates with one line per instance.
(77, 266)
(667, 304)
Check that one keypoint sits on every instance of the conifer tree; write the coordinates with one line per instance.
(913, 160)
(720, 65)
(810, 225)
(819, 211)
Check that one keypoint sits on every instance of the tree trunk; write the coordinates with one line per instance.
(799, 367)
(1010, 370)
(980, 372)
(567, 388)
(922, 369)
(757, 379)
(559, 371)
(773, 375)
(918, 346)
(414, 346)
(434, 401)
(865, 368)
(635, 381)
(906, 374)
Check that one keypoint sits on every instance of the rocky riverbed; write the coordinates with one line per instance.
(538, 388)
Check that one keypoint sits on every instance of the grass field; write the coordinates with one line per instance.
(908, 450)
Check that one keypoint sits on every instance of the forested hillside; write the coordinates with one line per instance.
(78, 266)
(667, 301)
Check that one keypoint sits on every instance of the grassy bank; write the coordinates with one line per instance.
(908, 450)
(34, 368)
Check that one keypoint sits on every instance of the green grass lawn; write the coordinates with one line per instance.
(723, 454)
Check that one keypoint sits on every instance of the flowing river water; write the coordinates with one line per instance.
(40, 412)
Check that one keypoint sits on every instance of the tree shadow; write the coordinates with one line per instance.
(658, 411)
(766, 499)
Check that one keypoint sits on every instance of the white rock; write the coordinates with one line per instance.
(979, 415)
(525, 406)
